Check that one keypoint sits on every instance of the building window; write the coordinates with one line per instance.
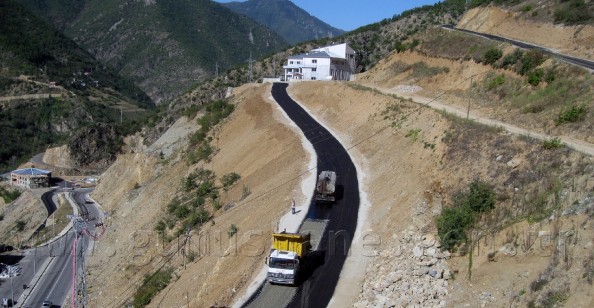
(314, 69)
(314, 61)
(313, 78)
(298, 62)
(290, 62)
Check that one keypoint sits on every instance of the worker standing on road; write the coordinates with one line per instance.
(293, 206)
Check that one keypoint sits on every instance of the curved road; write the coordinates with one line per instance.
(333, 248)
(573, 60)
(47, 270)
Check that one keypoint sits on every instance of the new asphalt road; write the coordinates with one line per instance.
(324, 268)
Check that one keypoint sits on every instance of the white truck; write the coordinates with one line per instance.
(326, 187)
(286, 258)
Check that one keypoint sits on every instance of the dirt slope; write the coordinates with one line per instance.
(28, 210)
(571, 40)
(252, 143)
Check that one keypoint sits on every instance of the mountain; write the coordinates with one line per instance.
(50, 89)
(290, 21)
(163, 46)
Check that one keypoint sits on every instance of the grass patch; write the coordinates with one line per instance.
(421, 70)
(413, 134)
(151, 285)
(9, 195)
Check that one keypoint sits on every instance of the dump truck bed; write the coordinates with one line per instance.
(297, 243)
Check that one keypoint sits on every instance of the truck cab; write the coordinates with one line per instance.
(283, 267)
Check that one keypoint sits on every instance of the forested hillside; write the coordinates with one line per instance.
(164, 46)
(50, 88)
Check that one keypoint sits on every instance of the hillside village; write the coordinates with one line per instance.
(474, 162)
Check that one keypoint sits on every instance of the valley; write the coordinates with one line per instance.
(472, 160)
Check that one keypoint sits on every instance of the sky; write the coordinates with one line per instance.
(351, 14)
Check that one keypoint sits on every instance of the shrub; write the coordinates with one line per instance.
(492, 55)
(512, 58)
(151, 285)
(452, 225)
(551, 144)
(20, 225)
(232, 230)
(454, 222)
(229, 179)
(530, 60)
(495, 82)
(535, 76)
(160, 227)
(573, 12)
(572, 114)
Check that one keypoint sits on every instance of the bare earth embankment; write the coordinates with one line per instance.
(575, 41)
(254, 143)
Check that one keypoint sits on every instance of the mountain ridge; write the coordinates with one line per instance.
(286, 18)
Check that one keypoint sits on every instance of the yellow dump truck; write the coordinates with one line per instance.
(286, 257)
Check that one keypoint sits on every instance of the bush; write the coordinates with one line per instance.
(229, 179)
(495, 82)
(572, 114)
(492, 55)
(530, 60)
(551, 144)
(512, 58)
(232, 230)
(20, 225)
(454, 222)
(151, 285)
(574, 12)
(452, 225)
(535, 76)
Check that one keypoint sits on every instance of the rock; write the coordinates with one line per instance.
(417, 252)
(508, 249)
(430, 252)
(447, 274)
(513, 163)
(428, 240)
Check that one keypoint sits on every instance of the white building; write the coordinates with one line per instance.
(336, 62)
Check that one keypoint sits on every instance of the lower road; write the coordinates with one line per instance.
(318, 286)
(47, 271)
(577, 61)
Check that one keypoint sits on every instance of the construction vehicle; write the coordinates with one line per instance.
(326, 187)
(286, 257)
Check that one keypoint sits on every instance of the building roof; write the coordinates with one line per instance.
(31, 171)
(316, 54)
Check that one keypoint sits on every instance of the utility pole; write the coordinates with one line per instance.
(470, 89)
(217, 69)
(250, 61)
(121, 116)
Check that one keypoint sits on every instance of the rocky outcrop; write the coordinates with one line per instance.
(412, 272)
(95, 146)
